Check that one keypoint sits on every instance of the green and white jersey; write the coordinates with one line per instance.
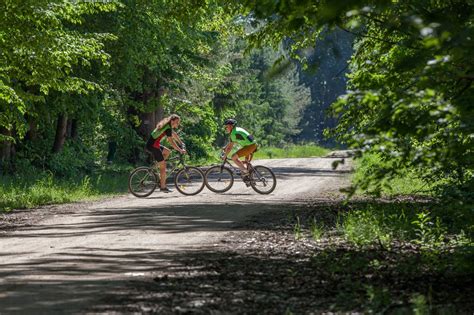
(242, 137)
(160, 133)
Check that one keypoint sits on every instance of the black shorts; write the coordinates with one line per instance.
(157, 153)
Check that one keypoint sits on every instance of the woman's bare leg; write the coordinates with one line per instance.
(162, 174)
(166, 153)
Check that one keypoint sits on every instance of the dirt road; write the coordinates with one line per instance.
(67, 263)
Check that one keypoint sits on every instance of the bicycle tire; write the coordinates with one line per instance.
(219, 170)
(180, 187)
(256, 178)
(150, 184)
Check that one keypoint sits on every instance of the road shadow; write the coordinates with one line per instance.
(223, 281)
(254, 282)
(240, 275)
(171, 219)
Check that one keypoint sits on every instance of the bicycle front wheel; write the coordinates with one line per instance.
(262, 179)
(142, 182)
(189, 181)
(219, 179)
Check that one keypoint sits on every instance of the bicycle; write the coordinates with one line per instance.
(188, 180)
(220, 178)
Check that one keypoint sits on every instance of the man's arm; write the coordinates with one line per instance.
(227, 148)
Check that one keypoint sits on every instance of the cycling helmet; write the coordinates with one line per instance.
(230, 121)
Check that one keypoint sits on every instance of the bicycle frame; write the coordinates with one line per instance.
(179, 159)
(143, 180)
(234, 168)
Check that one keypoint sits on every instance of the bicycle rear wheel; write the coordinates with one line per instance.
(189, 181)
(262, 179)
(219, 179)
(142, 182)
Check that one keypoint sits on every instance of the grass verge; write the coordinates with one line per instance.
(44, 188)
(271, 152)
(291, 151)
(380, 256)
(406, 183)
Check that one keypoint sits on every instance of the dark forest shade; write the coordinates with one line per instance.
(326, 77)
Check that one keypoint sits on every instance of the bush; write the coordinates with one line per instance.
(366, 227)
(406, 181)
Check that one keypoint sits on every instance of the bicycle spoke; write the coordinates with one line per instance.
(262, 180)
(219, 179)
(142, 182)
(189, 181)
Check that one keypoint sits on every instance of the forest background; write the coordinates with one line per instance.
(83, 83)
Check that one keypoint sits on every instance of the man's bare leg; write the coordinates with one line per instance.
(239, 163)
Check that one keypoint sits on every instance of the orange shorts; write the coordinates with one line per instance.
(245, 151)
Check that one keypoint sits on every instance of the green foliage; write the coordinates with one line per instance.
(434, 231)
(420, 306)
(364, 228)
(297, 229)
(414, 105)
(41, 53)
(410, 83)
(405, 182)
(73, 161)
(270, 108)
(430, 233)
(378, 298)
(316, 229)
(80, 81)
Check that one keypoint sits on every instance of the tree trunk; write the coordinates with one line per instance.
(5, 146)
(159, 113)
(61, 130)
(32, 133)
(147, 124)
(68, 128)
(72, 129)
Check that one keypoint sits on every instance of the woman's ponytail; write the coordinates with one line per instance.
(166, 121)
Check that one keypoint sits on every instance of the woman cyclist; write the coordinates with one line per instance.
(244, 139)
(160, 153)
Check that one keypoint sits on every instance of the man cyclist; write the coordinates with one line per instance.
(160, 153)
(244, 139)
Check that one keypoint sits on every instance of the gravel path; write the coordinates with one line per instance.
(77, 256)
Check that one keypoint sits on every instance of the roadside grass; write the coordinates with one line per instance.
(407, 183)
(19, 192)
(423, 243)
(369, 243)
(430, 224)
(414, 238)
(291, 151)
(271, 152)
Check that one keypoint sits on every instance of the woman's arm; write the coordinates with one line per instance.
(177, 138)
(175, 146)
